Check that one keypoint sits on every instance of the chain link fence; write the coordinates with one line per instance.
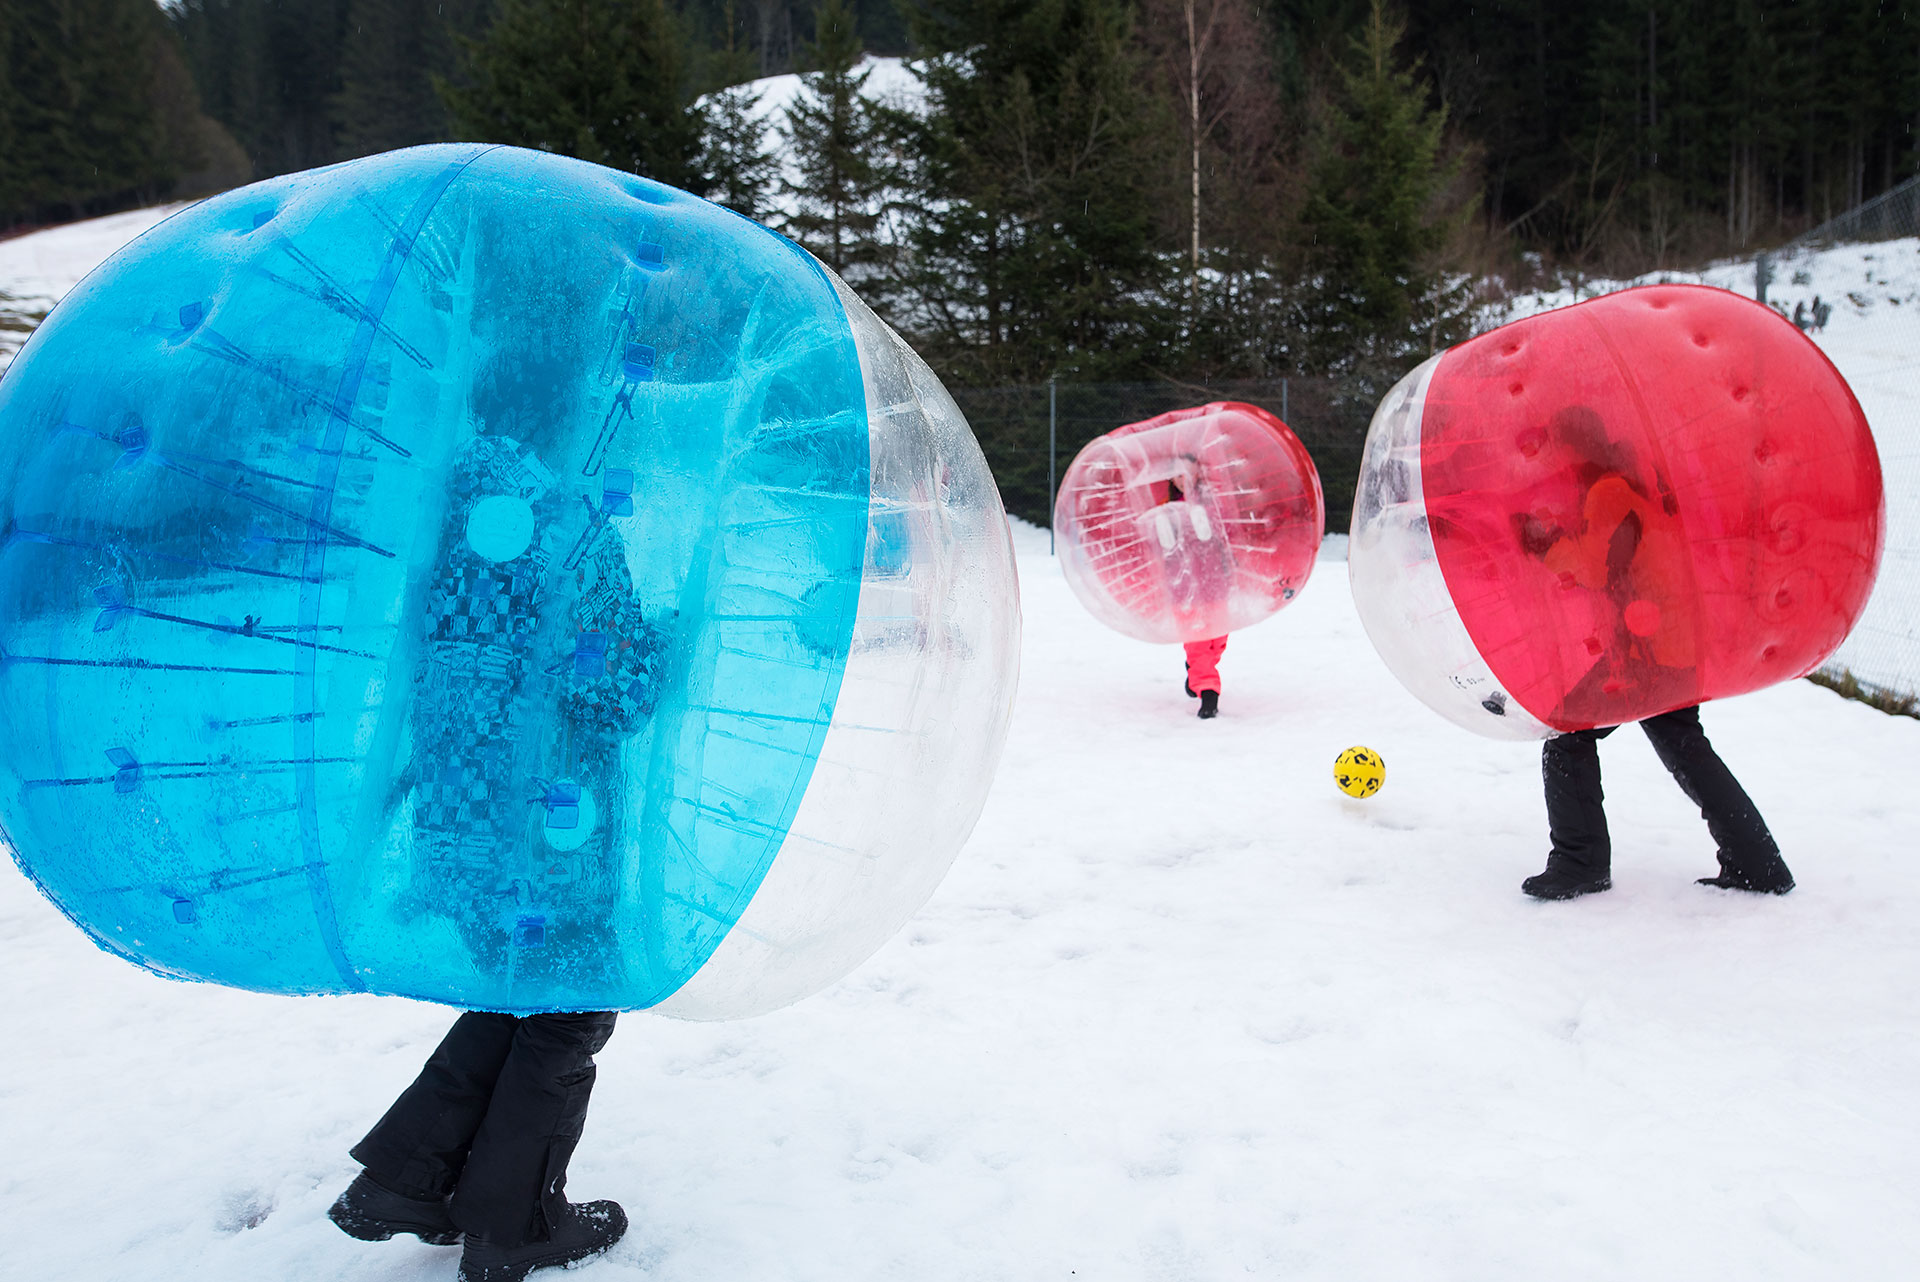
(1892, 215)
(1854, 284)
(1030, 432)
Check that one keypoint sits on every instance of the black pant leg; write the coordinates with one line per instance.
(516, 1174)
(1745, 845)
(420, 1146)
(1576, 818)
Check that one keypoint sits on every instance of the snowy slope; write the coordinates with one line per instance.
(888, 81)
(37, 270)
(1181, 1011)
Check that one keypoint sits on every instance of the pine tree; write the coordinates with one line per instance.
(1380, 297)
(98, 112)
(601, 80)
(1229, 202)
(50, 172)
(390, 53)
(269, 70)
(13, 155)
(735, 161)
(1033, 237)
(86, 135)
(834, 137)
(200, 154)
(226, 44)
(766, 30)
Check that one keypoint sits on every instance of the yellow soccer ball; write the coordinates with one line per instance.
(1359, 772)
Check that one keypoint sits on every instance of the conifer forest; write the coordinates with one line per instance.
(1080, 189)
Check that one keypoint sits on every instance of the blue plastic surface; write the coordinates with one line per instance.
(431, 575)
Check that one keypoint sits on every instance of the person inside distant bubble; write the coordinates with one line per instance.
(1192, 555)
(1615, 541)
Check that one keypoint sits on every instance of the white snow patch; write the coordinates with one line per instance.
(38, 269)
(890, 82)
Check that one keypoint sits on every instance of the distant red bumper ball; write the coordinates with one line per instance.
(1190, 525)
(1605, 512)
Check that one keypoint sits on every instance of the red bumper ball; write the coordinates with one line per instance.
(1612, 510)
(1190, 525)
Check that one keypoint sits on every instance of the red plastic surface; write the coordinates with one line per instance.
(1192, 524)
(1652, 499)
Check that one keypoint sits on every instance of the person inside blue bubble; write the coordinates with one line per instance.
(477, 1148)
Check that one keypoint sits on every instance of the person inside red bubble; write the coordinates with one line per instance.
(1617, 540)
(1203, 674)
(1192, 574)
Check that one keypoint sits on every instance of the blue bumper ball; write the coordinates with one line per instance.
(476, 575)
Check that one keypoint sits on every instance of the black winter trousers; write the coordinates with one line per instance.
(1578, 823)
(493, 1120)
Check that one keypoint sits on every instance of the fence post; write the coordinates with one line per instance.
(1052, 439)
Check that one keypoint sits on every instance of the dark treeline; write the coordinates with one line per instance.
(1109, 189)
(1645, 128)
(98, 112)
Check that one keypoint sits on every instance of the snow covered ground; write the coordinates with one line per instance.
(1181, 1011)
(37, 270)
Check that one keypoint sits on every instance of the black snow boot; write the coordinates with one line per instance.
(1562, 880)
(1765, 874)
(1209, 704)
(580, 1230)
(374, 1214)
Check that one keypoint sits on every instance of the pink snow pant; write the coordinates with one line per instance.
(1203, 664)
